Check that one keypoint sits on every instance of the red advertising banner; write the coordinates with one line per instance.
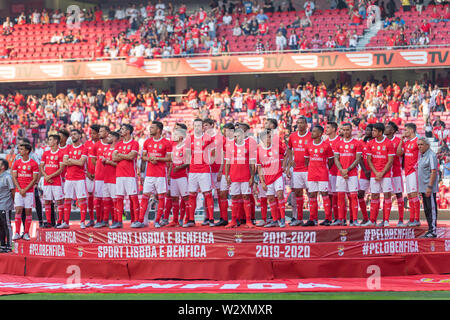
(297, 235)
(245, 64)
(354, 249)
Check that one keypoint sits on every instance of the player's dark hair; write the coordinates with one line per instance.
(76, 130)
(129, 127)
(320, 128)
(333, 124)
(198, 119)
(95, 127)
(412, 126)
(115, 134)
(274, 122)
(181, 125)
(64, 132)
(347, 124)
(159, 125)
(26, 146)
(26, 141)
(209, 121)
(379, 126)
(264, 133)
(106, 128)
(56, 137)
(229, 125)
(245, 125)
(393, 125)
(5, 163)
(302, 118)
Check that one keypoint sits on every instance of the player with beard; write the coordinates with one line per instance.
(75, 185)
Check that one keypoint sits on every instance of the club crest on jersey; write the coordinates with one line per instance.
(384, 147)
(24, 167)
(378, 148)
(346, 146)
(51, 157)
(352, 146)
(315, 150)
(300, 141)
(270, 153)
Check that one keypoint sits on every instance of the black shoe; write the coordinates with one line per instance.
(238, 222)
(429, 234)
(221, 223)
(344, 223)
(254, 222)
(364, 221)
(205, 222)
(243, 221)
(325, 223)
(41, 224)
(309, 223)
(46, 225)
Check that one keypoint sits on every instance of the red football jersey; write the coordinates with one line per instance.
(318, 155)
(157, 148)
(347, 151)
(334, 144)
(199, 160)
(227, 149)
(298, 144)
(411, 155)
(109, 170)
(270, 160)
(240, 160)
(64, 152)
(89, 145)
(397, 165)
(52, 162)
(380, 152)
(178, 159)
(127, 168)
(76, 172)
(25, 171)
(218, 147)
(97, 152)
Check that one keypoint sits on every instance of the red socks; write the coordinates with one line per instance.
(387, 205)
(144, 206)
(91, 206)
(175, 209)
(160, 210)
(252, 206)
(209, 205)
(263, 202)
(28, 220)
(327, 207)
(18, 221)
(282, 208)
(274, 210)
(341, 205)
(60, 213)
(363, 207)
(414, 209)
(168, 207)
(67, 209)
(354, 206)
(248, 210)
(374, 208)
(192, 206)
(82, 203)
(134, 207)
(183, 209)
(335, 205)
(299, 201)
(223, 207)
(108, 203)
(98, 203)
(119, 208)
(48, 212)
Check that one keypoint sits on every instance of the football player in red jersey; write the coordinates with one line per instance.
(25, 174)
(75, 185)
(126, 176)
(397, 181)
(199, 173)
(333, 140)
(270, 155)
(346, 158)
(298, 142)
(380, 156)
(51, 168)
(109, 191)
(227, 147)
(99, 178)
(157, 151)
(90, 174)
(319, 158)
(239, 172)
(364, 174)
(408, 147)
(177, 175)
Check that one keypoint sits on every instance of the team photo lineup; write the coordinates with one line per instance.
(328, 166)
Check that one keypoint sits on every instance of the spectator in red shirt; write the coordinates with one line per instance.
(426, 27)
(341, 39)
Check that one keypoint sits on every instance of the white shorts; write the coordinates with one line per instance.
(318, 186)
(200, 181)
(397, 184)
(223, 184)
(26, 202)
(412, 182)
(277, 185)
(179, 187)
(51, 193)
(126, 186)
(237, 188)
(109, 190)
(364, 184)
(332, 184)
(385, 185)
(214, 183)
(90, 185)
(347, 185)
(300, 180)
(99, 185)
(155, 185)
(75, 189)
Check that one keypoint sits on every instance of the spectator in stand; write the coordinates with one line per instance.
(22, 19)
(406, 4)
(330, 44)
(280, 42)
(425, 27)
(435, 16)
(341, 38)
(282, 29)
(316, 43)
(356, 18)
(227, 19)
(7, 27)
(293, 41)
(423, 40)
(419, 6)
(391, 8)
(309, 7)
(259, 46)
(237, 31)
(263, 28)
(352, 40)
